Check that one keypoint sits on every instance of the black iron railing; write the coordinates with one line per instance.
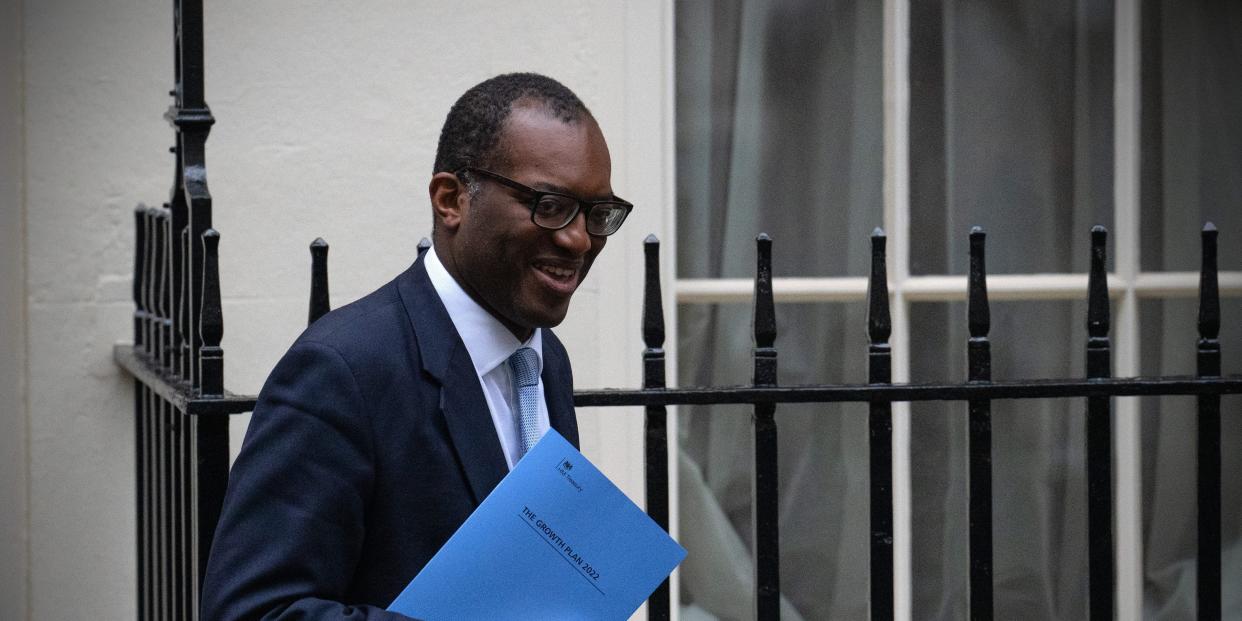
(977, 392)
(181, 408)
(180, 431)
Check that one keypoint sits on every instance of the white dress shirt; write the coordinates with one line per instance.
(489, 344)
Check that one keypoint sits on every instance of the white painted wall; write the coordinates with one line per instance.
(327, 119)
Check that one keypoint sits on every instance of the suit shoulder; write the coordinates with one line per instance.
(364, 327)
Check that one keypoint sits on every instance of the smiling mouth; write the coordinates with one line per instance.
(558, 276)
(556, 271)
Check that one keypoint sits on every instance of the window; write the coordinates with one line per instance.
(817, 121)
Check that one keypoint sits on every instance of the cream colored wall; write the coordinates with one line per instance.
(327, 118)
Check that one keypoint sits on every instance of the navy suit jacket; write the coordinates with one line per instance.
(371, 442)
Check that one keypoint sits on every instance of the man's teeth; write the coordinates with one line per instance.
(559, 272)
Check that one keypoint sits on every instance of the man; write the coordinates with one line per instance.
(390, 419)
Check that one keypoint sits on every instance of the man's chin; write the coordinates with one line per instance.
(546, 319)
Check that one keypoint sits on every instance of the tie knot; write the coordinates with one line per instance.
(524, 362)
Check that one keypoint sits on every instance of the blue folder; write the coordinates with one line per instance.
(554, 540)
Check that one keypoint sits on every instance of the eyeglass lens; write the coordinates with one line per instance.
(555, 212)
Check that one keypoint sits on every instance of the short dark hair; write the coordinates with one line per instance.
(472, 129)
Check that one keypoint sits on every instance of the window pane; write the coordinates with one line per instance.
(779, 130)
(1191, 131)
(823, 468)
(1038, 465)
(1169, 462)
(1011, 128)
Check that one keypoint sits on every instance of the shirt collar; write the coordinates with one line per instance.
(487, 340)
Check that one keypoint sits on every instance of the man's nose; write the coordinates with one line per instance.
(574, 236)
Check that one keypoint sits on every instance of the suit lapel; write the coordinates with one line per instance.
(445, 358)
(470, 424)
(558, 389)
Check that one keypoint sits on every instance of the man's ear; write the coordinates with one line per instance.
(449, 198)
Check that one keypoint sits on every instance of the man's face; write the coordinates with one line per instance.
(523, 274)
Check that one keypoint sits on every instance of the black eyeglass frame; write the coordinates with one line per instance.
(582, 206)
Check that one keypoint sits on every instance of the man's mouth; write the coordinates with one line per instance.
(559, 277)
(556, 271)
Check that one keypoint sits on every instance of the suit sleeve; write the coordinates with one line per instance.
(293, 520)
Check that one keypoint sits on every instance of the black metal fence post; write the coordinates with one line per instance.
(880, 433)
(1099, 437)
(180, 405)
(320, 303)
(655, 441)
(1208, 592)
(141, 397)
(192, 119)
(979, 364)
(765, 486)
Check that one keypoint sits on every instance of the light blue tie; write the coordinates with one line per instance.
(525, 366)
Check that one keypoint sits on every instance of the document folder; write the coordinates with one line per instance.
(555, 540)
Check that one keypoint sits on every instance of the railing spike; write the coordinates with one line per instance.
(653, 306)
(320, 303)
(979, 316)
(211, 319)
(765, 310)
(140, 254)
(183, 308)
(1209, 292)
(149, 282)
(1098, 317)
(165, 286)
(879, 323)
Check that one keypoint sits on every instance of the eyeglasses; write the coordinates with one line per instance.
(554, 210)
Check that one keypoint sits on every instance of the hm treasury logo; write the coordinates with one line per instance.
(564, 468)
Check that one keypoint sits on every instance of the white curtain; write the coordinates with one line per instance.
(780, 127)
(1192, 173)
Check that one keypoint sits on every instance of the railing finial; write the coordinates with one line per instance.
(979, 315)
(140, 255)
(320, 303)
(765, 309)
(1209, 292)
(185, 331)
(211, 319)
(164, 286)
(653, 305)
(423, 245)
(879, 323)
(149, 281)
(1098, 317)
